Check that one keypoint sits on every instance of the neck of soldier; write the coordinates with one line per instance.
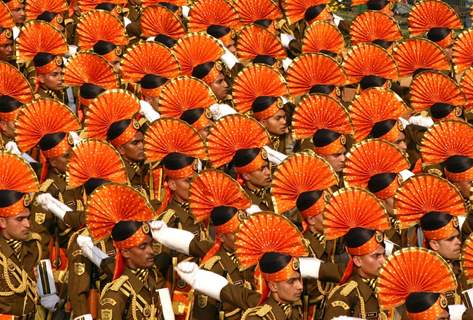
(178, 199)
(252, 186)
(363, 274)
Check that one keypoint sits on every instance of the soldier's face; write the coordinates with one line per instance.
(180, 188)
(141, 256)
(449, 248)
(220, 87)
(276, 124)
(336, 160)
(6, 51)
(259, 178)
(52, 80)
(133, 150)
(465, 188)
(288, 291)
(7, 128)
(18, 14)
(60, 163)
(370, 264)
(17, 227)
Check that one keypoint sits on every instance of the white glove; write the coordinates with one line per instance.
(253, 209)
(229, 58)
(286, 38)
(91, 252)
(274, 156)
(12, 147)
(461, 221)
(51, 204)
(87, 316)
(50, 301)
(175, 239)
(309, 267)
(75, 138)
(388, 247)
(406, 174)
(456, 311)
(404, 122)
(206, 282)
(421, 121)
(16, 32)
(337, 19)
(148, 111)
(72, 50)
(219, 110)
(185, 11)
(286, 63)
(126, 21)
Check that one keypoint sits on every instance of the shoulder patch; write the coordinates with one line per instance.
(211, 262)
(109, 301)
(348, 288)
(166, 215)
(45, 185)
(340, 304)
(116, 285)
(263, 311)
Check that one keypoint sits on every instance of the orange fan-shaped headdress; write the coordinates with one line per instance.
(311, 70)
(254, 11)
(38, 37)
(95, 159)
(415, 54)
(232, 133)
(111, 203)
(466, 85)
(376, 27)
(257, 42)
(425, 193)
(366, 60)
(429, 88)
(211, 189)
(266, 232)
(90, 68)
(353, 208)
(166, 136)
(40, 118)
(100, 26)
(257, 80)
(16, 177)
(87, 5)
(413, 270)
(296, 9)
(428, 14)
(322, 36)
(6, 21)
(34, 9)
(106, 111)
(299, 181)
(148, 58)
(373, 106)
(316, 112)
(462, 51)
(196, 48)
(158, 20)
(182, 94)
(375, 164)
(13, 84)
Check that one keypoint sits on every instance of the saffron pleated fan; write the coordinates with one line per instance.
(14, 84)
(112, 203)
(374, 105)
(251, 11)
(300, 173)
(100, 25)
(6, 18)
(16, 174)
(368, 59)
(41, 117)
(211, 189)
(411, 270)
(148, 58)
(39, 36)
(353, 208)
(33, 9)
(178, 3)
(91, 68)
(231, 133)
(206, 13)
(184, 93)
(313, 69)
(322, 36)
(466, 85)
(255, 81)
(462, 51)
(267, 232)
(95, 159)
(425, 15)
(296, 9)
(316, 112)
(445, 139)
(372, 157)
(158, 20)
(254, 41)
(111, 106)
(467, 258)
(196, 48)
(428, 88)
(425, 193)
(87, 5)
(370, 26)
(167, 135)
(414, 54)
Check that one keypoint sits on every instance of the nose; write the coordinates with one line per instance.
(26, 223)
(298, 284)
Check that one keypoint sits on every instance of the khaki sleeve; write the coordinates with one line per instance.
(112, 305)
(337, 305)
(240, 297)
(74, 219)
(330, 272)
(198, 248)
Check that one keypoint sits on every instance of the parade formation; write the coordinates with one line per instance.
(235, 159)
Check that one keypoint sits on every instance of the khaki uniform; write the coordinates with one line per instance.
(134, 295)
(260, 197)
(355, 298)
(44, 93)
(273, 310)
(18, 295)
(84, 275)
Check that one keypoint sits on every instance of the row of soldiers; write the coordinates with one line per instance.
(238, 159)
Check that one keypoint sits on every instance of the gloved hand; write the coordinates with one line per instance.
(93, 253)
(219, 110)
(309, 267)
(274, 156)
(175, 239)
(421, 121)
(229, 58)
(286, 63)
(12, 147)
(84, 317)
(148, 111)
(51, 204)
(50, 301)
(286, 38)
(253, 209)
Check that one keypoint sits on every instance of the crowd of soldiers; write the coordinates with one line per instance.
(235, 159)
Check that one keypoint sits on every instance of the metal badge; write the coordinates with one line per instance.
(39, 217)
(79, 268)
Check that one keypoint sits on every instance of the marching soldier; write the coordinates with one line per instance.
(6, 34)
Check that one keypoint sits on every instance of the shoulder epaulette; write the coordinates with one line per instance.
(167, 215)
(35, 236)
(45, 185)
(118, 283)
(208, 265)
(263, 312)
(348, 288)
